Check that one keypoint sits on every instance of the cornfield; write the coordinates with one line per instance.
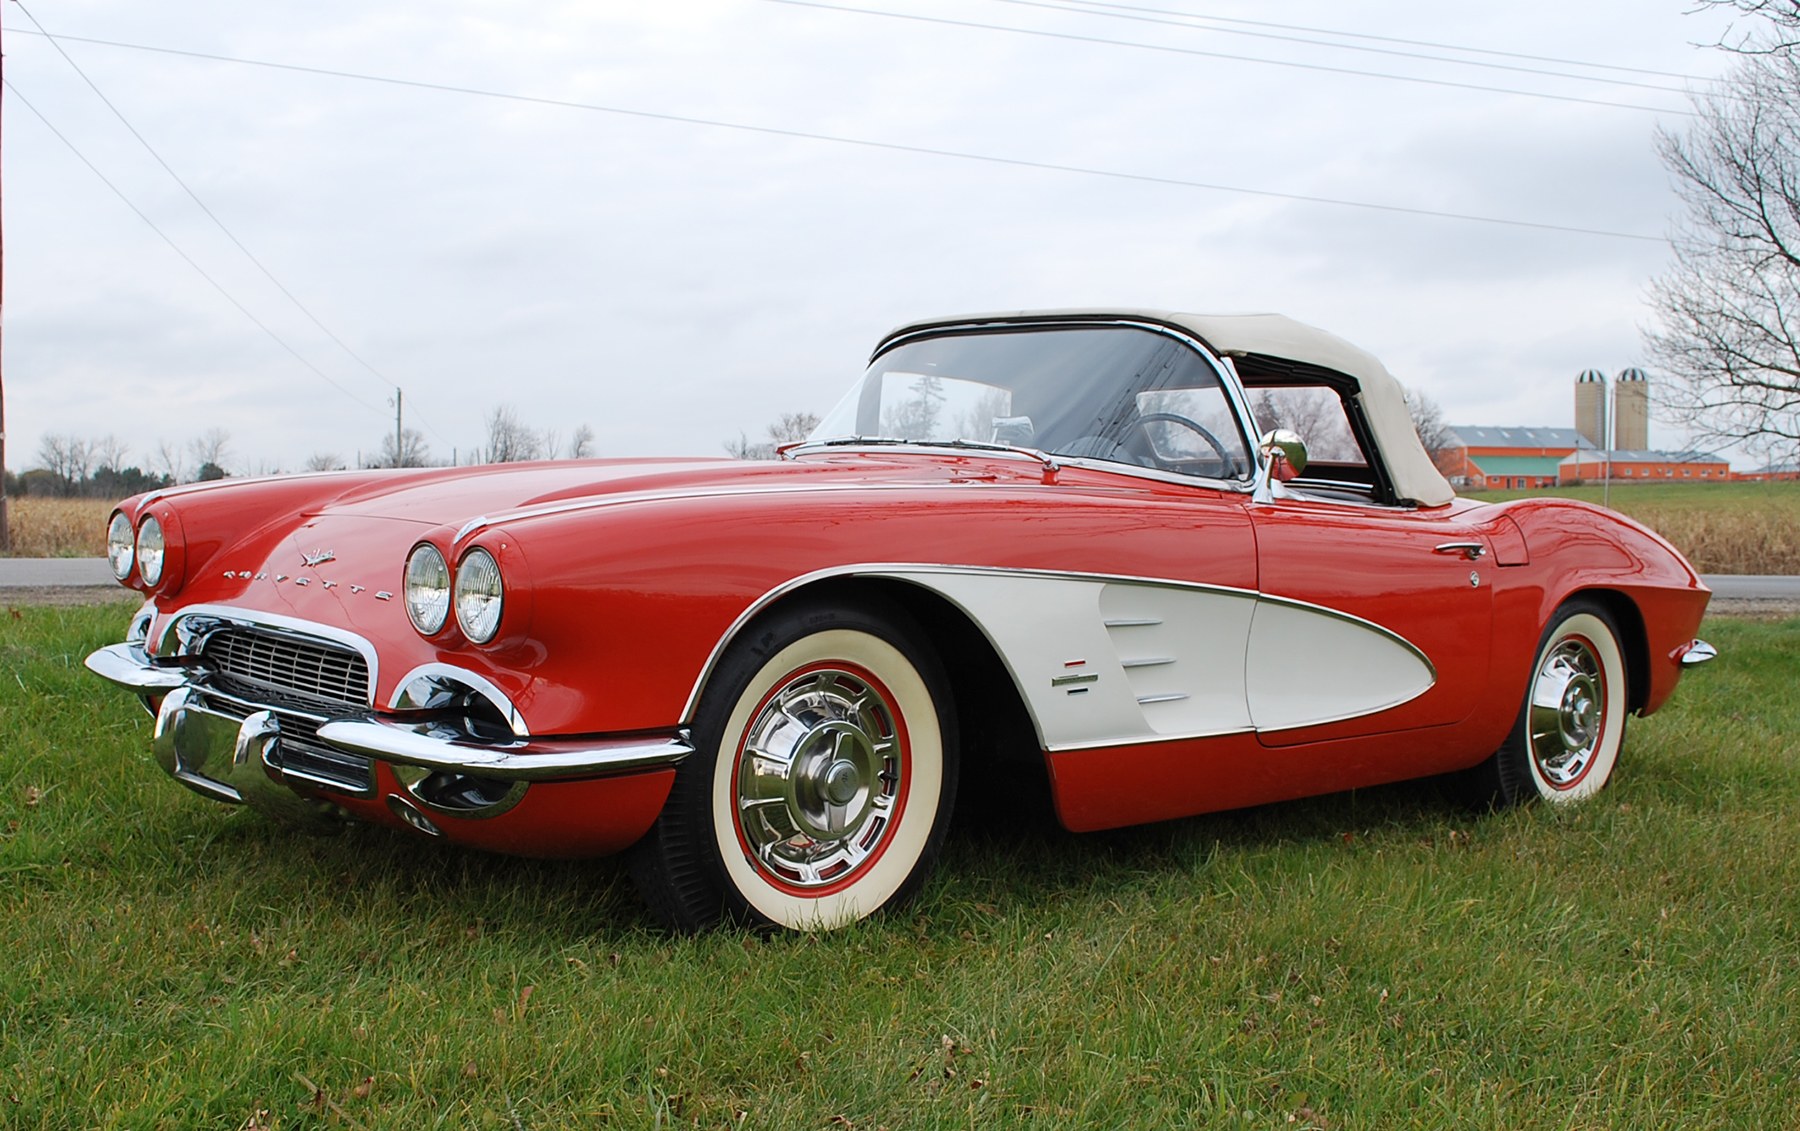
(1732, 540)
(58, 528)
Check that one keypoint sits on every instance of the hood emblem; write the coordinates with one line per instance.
(317, 558)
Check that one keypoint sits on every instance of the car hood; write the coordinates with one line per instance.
(318, 547)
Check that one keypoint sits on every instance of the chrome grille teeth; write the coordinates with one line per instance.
(288, 666)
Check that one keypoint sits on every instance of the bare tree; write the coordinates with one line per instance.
(508, 440)
(412, 453)
(1428, 420)
(109, 452)
(784, 429)
(581, 444)
(325, 461)
(68, 457)
(210, 449)
(1315, 414)
(1727, 337)
(1776, 26)
(170, 460)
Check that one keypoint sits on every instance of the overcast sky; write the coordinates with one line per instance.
(615, 259)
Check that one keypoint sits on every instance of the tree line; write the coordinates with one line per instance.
(69, 465)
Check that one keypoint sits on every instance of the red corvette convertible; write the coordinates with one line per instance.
(1170, 563)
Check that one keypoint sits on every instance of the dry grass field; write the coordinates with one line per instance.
(58, 528)
(1721, 527)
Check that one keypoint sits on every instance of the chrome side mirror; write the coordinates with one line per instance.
(1280, 449)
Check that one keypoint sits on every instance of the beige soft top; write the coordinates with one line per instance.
(1415, 478)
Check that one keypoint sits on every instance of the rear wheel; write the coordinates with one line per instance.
(821, 782)
(1566, 740)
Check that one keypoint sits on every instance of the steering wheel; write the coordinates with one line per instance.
(1226, 463)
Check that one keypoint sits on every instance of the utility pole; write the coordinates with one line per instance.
(5, 525)
(1608, 429)
(399, 461)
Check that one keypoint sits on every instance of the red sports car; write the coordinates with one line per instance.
(1088, 546)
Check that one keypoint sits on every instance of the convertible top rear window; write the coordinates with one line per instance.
(1116, 393)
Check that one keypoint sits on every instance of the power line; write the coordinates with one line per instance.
(1203, 54)
(186, 258)
(1104, 11)
(1101, 4)
(213, 216)
(885, 146)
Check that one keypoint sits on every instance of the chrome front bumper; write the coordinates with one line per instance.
(220, 746)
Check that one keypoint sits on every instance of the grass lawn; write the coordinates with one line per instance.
(1379, 959)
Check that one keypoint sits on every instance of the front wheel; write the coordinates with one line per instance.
(822, 780)
(1566, 741)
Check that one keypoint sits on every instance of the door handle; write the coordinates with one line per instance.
(1470, 550)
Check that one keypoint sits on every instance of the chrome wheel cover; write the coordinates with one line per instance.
(1568, 712)
(820, 775)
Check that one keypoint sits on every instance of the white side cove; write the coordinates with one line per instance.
(1109, 661)
(1309, 665)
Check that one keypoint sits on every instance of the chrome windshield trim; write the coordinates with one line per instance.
(1229, 381)
(438, 748)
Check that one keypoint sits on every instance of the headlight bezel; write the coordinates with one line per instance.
(430, 614)
(479, 595)
(121, 543)
(151, 562)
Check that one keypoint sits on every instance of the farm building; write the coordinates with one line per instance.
(1640, 466)
(1508, 457)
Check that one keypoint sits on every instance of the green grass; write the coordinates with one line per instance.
(1379, 959)
(1669, 495)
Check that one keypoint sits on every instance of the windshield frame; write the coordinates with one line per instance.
(1221, 368)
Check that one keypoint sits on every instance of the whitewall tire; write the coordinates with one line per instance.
(822, 780)
(1566, 741)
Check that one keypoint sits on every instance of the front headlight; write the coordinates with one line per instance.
(150, 550)
(119, 549)
(479, 596)
(427, 588)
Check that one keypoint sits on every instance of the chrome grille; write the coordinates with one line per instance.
(304, 681)
(256, 659)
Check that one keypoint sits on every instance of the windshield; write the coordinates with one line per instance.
(1117, 393)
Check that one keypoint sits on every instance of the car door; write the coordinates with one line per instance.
(1370, 619)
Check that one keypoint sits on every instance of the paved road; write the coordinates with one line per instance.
(1751, 588)
(82, 573)
(60, 573)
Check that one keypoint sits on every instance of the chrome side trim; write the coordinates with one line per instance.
(438, 748)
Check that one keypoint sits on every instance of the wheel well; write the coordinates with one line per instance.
(1000, 757)
(1634, 641)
